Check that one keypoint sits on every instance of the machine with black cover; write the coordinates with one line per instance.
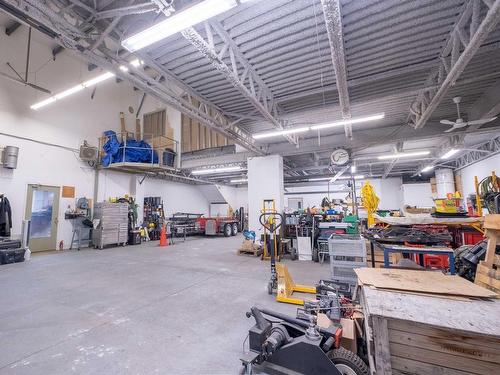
(291, 345)
(11, 251)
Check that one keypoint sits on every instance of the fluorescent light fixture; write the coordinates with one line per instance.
(348, 121)
(280, 132)
(319, 179)
(427, 168)
(182, 20)
(450, 153)
(72, 90)
(241, 180)
(98, 79)
(216, 170)
(353, 168)
(356, 177)
(403, 155)
(137, 63)
(68, 92)
(43, 103)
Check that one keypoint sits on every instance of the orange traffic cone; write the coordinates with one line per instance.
(163, 236)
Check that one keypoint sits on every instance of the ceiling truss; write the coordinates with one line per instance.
(471, 30)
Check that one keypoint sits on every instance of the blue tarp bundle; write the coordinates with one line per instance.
(135, 152)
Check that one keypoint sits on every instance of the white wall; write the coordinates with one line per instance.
(419, 195)
(481, 169)
(67, 123)
(177, 197)
(265, 181)
(388, 190)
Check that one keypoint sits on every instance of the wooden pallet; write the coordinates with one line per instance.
(488, 271)
(254, 252)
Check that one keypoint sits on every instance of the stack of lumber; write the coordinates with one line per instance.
(428, 323)
(488, 271)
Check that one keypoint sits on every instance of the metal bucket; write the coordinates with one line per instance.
(10, 154)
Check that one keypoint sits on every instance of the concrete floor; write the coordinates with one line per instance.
(135, 310)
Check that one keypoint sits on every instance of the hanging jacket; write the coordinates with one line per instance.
(5, 217)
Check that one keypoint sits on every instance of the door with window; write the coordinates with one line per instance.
(42, 208)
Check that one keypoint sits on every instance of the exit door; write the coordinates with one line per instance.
(42, 208)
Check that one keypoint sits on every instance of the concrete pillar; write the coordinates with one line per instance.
(265, 181)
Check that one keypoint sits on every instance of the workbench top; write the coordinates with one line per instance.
(475, 315)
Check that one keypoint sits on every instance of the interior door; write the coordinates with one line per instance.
(42, 208)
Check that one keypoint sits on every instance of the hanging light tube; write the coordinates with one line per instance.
(403, 155)
(216, 170)
(92, 82)
(182, 20)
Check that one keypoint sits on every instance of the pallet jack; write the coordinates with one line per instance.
(281, 282)
(295, 346)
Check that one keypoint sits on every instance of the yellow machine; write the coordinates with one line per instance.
(269, 207)
(281, 282)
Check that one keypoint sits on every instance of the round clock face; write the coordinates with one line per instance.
(340, 156)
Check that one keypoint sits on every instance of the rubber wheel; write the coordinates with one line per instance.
(293, 252)
(234, 229)
(227, 230)
(315, 255)
(347, 362)
(270, 287)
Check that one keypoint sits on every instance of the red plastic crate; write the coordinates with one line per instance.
(472, 238)
(436, 261)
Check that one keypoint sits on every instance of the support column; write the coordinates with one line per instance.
(265, 181)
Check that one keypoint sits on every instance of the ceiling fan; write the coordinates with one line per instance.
(24, 80)
(460, 123)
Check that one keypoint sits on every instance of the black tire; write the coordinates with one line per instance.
(270, 288)
(293, 252)
(234, 229)
(346, 360)
(227, 230)
(315, 255)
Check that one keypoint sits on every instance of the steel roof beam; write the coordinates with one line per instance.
(333, 20)
(72, 39)
(127, 10)
(483, 151)
(477, 20)
(241, 74)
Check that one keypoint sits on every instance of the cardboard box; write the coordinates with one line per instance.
(349, 336)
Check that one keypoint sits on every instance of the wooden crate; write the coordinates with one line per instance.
(428, 335)
(488, 271)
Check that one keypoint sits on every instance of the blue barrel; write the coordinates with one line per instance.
(168, 157)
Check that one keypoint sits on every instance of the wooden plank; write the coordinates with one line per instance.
(492, 235)
(468, 338)
(490, 272)
(138, 129)
(407, 366)
(491, 283)
(195, 136)
(381, 341)
(492, 221)
(471, 366)
(420, 281)
(479, 317)
(449, 344)
(123, 128)
(185, 134)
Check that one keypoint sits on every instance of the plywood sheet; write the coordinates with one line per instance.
(421, 281)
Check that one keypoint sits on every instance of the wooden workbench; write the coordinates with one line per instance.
(427, 335)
